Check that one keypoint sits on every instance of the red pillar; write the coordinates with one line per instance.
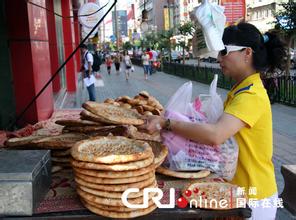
(68, 33)
(77, 41)
(30, 60)
(52, 40)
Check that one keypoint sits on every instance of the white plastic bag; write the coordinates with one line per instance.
(185, 154)
(211, 20)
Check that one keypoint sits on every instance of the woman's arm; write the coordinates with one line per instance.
(211, 134)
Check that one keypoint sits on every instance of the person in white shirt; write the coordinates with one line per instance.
(146, 65)
(128, 65)
(88, 77)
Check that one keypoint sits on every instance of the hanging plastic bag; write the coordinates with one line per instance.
(185, 154)
(210, 21)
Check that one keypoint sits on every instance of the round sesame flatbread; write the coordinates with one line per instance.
(115, 114)
(204, 192)
(135, 165)
(62, 141)
(117, 187)
(109, 201)
(113, 214)
(160, 152)
(22, 141)
(183, 174)
(115, 181)
(115, 174)
(110, 150)
(115, 195)
(115, 208)
(77, 123)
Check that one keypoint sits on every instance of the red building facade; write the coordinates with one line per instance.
(38, 42)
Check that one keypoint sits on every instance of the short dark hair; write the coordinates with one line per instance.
(268, 55)
(83, 46)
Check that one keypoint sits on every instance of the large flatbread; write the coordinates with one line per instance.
(160, 152)
(77, 123)
(115, 114)
(204, 192)
(115, 195)
(87, 115)
(115, 181)
(113, 214)
(63, 141)
(115, 174)
(109, 201)
(183, 174)
(117, 130)
(22, 141)
(115, 188)
(135, 165)
(111, 150)
(115, 208)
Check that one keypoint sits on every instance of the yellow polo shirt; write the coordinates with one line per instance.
(249, 102)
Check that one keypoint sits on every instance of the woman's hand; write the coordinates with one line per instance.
(153, 123)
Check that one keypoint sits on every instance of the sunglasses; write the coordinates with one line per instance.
(230, 48)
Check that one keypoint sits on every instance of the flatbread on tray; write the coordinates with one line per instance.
(115, 195)
(77, 123)
(115, 208)
(22, 141)
(135, 165)
(115, 188)
(183, 174)
(115, 181)
(62, 141)
(116, 130)
(114, 114)
(160, 152)
(113, 214)
(204, 192)
(115, 174)
(109, 201)
(111, 150)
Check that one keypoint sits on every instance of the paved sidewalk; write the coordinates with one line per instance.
(162, 86)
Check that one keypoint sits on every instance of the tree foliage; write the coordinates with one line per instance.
(286, 23)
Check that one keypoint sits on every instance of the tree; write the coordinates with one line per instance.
(286, 23)
(164, 40)
(127, 45)
(187, 29)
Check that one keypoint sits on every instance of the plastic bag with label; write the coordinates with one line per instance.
(185, 154)
(210, 21)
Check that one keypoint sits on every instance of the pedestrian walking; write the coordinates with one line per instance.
(247, 113)
(145, 62)
(128, 65)
(108, 63)
(117, 59)
(87, 72)
(150, 54)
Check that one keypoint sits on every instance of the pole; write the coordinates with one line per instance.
(116, 27)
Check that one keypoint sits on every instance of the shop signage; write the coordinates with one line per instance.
(94, 15)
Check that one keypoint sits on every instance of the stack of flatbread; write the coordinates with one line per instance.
(143, 103)
(103, 119)
(105, 167)
(59, 145)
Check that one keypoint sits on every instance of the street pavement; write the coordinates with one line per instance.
(163, 86)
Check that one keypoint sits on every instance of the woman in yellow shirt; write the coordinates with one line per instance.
(247, 112)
